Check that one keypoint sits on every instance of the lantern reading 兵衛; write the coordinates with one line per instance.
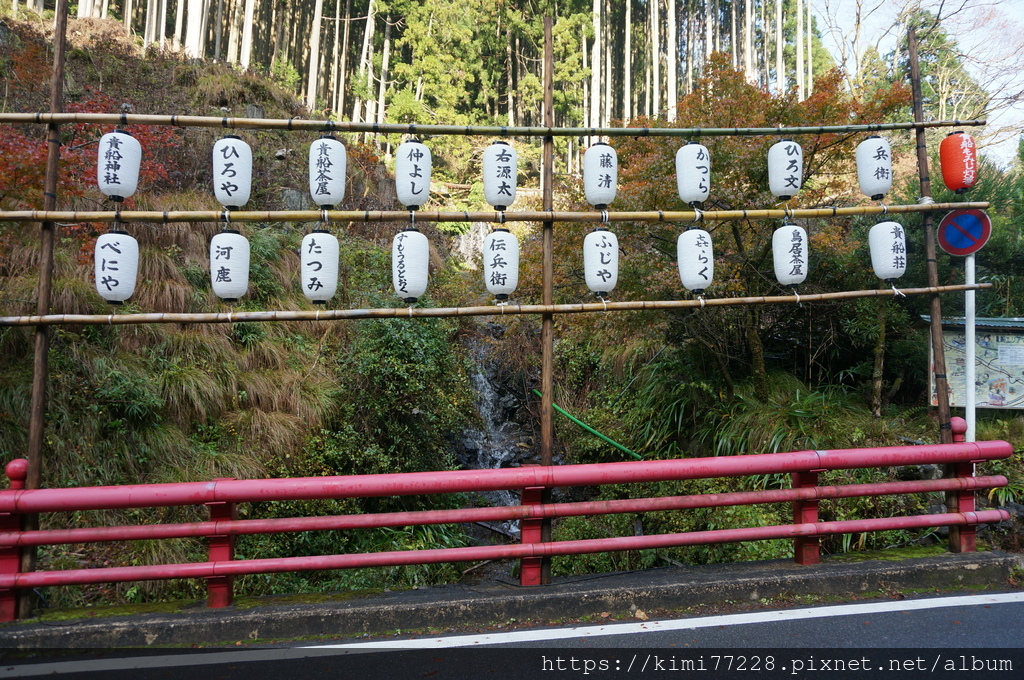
(874, 167)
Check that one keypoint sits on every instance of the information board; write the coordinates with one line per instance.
(999, 369)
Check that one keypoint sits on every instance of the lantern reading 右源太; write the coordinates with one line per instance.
(232, 172)
(229, 265)
(117, 266)
(118, 161)
(319, 266)
(501, 263)
(693, 173)
(696, 259)
(500, 165)
(600, 175)
(959, 161)
(328, 162)
(413, 165)
(601, 261)
(789, 252)
(874, 167)
(888, 243)
(785, 169)
(410, 259)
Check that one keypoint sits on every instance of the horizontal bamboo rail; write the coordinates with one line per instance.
(298, 124)
(248, 216)
(493, 310)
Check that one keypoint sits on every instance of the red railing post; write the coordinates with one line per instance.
(806, 549)
(962, 538)
(10, 556)
(531, 531)
(220, 589)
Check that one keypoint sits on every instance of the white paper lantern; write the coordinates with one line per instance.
(232, 172)
(318, 270)
(117, 266)
(693, 173)
(501, 263)
(328, 161)
(229, 265)
(413, 164)
(696, 258)
(888, 244)
(601, 261)
(500, 167)
(789, 251)
(785, 169)
(117, 166)
(600, 175)
(410, 258)
(874, 167)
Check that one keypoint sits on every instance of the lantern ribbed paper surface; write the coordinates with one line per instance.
(696, 259)
(117, 266)
(319, 266)
(874, 167)
(501, 263)
(328, 162)
(600, 175)
(888, 244)
(601, 261)
(410, 259)
(413, 165)
(959, 161)
(785, 169)
(693, 173)
(232, 172)
(229, 265)
(790, 251)
(118, 160)
(500, 165)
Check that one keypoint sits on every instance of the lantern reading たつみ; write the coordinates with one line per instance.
(319, 266)
(232, 172)
(789, 253)
(118, 162)
(785, 169)
(874, 167)
(959, 161)
(693, 173)
(229, 265)
(410, 259)
(413, 164)
(500, 166)
(116, 266)
(328, 162)
(888, 243)
(696, 259)
(601, 261)
(501, 263)
(600, 175)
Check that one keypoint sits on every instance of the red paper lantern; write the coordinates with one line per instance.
(959, 160)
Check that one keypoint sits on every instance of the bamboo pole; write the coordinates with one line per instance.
(249, 216)
(492, 310)
(300, 124)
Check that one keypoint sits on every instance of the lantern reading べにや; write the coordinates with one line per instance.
(116, 265)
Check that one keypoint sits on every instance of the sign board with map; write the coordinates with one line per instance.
(999, 367)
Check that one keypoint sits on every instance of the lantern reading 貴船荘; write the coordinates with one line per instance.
(410, 260)
(696, 259)
(785, 169)
(500, 168)
(888, 243)
(413, 164)
(116, 266)
(319, 266)
(118, 161)
(232, 172)
(600, 175)
(328, 162)
(229, 265)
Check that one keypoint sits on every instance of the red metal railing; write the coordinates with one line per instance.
(221, 497)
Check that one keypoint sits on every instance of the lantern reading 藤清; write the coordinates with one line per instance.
(600, 175)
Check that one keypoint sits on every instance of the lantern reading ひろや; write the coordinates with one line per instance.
(601, 261)
(600, 175)
(693, 173)
(874, 167)
(232, 172)
(785, 169)
(229, 265)
(888, 244)
(118, 161)
(117, 265)
(501, 263)
(500, 165)
(410, 258)
(328, 161)
(413, 165)
(959, 161)
(696, 259)
(789, 252)
(319, 266)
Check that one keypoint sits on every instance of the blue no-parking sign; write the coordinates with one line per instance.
(963, 232)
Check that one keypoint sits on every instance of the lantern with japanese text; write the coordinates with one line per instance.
(600, 175)
(959, 160)
(888, 243)
(874, 167)
(413, 164)
(232, 172)
(601, 261)
(410, 259)
(785, 169)
(328, 162)
(319, 266)
(116, 265)
(501, 263)
(500, 166)
(696, 259)
(118, 162)
(693, 173)
(790, 254)
(229, 265)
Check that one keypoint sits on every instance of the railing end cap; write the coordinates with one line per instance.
(17, 470)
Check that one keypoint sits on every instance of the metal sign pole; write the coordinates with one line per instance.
(970, 391)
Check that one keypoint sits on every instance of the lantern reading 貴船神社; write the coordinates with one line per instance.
(116, 265)
(118, 161)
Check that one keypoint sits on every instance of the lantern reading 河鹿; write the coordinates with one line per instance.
(600, 175)
(500, 165)
(410, 259)
(789, 252)
(785, 169)
(232, 172)
(319, 266)
(501, 263)
(696, 260)
(874, 167)
(601, 261)
(229, 265)
(693, 173)
(117, 265)
(118, 161)
(959, 161)
(413, 165)
(888, 243)
(328, 161)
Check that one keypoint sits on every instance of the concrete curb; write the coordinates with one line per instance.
(447, 606)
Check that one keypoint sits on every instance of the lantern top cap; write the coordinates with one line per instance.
(328, 135)
(123, 132)
(875, 137)
(499, 141)
(230, 137)
(955, 132)
(600, 144)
